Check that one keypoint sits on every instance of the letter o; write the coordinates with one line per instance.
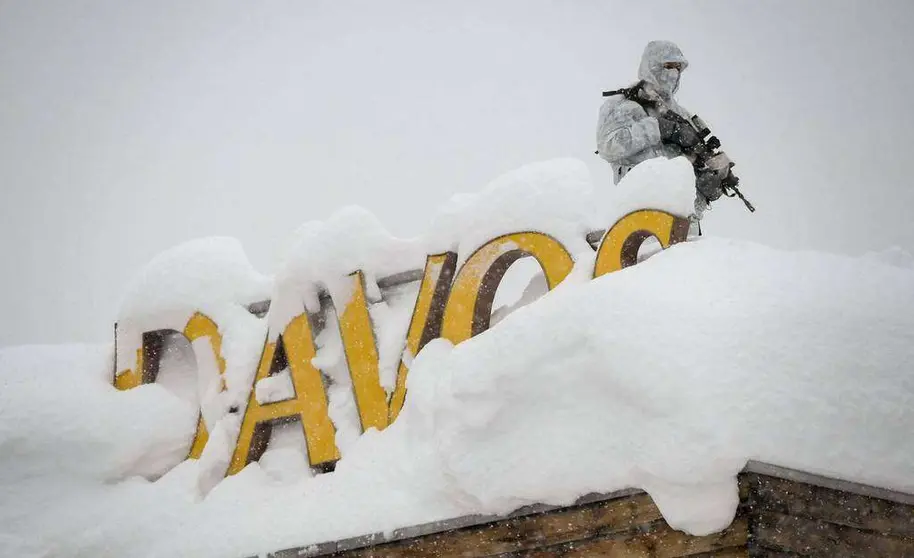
(469, 306)
(619, 247)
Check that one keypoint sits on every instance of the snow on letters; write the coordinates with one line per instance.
(350, 305)
(383, 366)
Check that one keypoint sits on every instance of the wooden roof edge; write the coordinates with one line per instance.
(440, 526)
(756, 467)
(796, 475)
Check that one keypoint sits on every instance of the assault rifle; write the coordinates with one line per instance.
(711, 164)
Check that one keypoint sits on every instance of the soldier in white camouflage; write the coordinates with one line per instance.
(645, 121)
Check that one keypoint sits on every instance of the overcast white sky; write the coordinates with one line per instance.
(129, 127)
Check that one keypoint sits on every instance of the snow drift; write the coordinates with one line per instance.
(666, 376)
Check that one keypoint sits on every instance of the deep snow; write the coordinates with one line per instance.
(667, 376)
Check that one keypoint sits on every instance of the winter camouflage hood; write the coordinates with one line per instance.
(664, 81)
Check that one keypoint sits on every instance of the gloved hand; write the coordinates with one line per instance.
(667, 128)
(673, 130)
(708, 183)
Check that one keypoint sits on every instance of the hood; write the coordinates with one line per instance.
(662, 80)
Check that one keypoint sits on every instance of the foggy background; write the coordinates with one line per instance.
(129, 127)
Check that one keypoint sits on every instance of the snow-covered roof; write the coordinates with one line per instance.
(667, 376)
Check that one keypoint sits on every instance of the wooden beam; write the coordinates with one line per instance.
(603, 518)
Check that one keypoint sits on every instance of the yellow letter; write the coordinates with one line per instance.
(201, 326)
(469, 306)
(619, 248)
(309, 406)
(425, 323)
(130, 378)
(146, 368)
(362, 357)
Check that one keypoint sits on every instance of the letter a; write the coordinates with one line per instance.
(309, 405)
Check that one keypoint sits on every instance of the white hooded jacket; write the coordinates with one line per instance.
(627, 133)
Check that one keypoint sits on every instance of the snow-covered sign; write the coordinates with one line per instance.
(336, 318)
(668, 376)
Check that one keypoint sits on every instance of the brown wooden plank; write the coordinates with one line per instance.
(778, 517)
(803, 477)
(527, 532)
(658, 541)
(762, 552)
(809, 537)
(833, 506)
(733, 552)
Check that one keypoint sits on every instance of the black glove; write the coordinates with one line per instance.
(708, 183)
(667, 128)
(678, 132)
